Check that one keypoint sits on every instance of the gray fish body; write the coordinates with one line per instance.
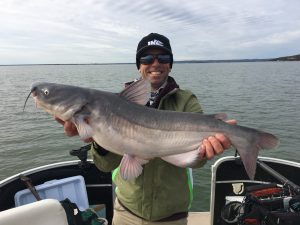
(123, 127)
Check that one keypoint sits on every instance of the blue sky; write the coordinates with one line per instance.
(103, 31)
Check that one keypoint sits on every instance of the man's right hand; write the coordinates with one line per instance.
(70, 129)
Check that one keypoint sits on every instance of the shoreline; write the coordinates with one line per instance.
(175, 62)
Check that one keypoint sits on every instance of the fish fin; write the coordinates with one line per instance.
(250, 152)
(219, 116)
(188, 159)
(137, 92)
(267, 141)
(248, 157)
(84, 129)
(131, 166)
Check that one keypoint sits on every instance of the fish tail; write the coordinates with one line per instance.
(248, 150)
(267, 141)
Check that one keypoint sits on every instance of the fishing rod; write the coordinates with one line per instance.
(279, 177)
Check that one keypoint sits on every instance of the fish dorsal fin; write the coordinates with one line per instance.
(137, 92)
(220, 116)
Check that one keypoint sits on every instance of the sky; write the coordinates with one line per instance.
(106, 31)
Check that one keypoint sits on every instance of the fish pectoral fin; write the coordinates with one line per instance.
(84, 129)
(131, 166)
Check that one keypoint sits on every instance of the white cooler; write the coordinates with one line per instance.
(72, 188)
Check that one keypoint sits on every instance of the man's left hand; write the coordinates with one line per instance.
(215, 145)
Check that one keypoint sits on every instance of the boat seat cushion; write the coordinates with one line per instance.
(46, 212)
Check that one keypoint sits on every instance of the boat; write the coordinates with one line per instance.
(275, 186)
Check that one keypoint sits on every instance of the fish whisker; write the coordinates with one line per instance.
(27, 99)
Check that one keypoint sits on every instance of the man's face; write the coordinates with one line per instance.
(155, 72)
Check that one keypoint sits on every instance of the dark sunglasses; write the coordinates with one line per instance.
(149, 59)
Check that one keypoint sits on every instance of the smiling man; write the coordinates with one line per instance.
(154, 59)
(163, 192)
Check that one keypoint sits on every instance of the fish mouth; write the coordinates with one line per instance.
(33, 92)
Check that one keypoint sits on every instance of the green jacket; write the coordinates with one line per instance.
(162, 189)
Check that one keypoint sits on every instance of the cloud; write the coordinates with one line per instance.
(108, 31)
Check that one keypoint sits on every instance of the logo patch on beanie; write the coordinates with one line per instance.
(155, 42)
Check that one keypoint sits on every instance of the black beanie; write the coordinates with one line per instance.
(153, 40)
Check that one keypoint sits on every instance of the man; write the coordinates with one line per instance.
(163, 192)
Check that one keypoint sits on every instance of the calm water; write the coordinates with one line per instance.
(261, 95)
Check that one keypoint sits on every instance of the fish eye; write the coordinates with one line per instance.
(46, 91)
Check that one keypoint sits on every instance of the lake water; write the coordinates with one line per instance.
(264, 95)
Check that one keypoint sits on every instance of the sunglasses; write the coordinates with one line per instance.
(149, 59)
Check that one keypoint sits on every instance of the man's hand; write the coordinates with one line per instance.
(70, 129)
(215, 145)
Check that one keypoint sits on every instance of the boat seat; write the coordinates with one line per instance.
(46, 212)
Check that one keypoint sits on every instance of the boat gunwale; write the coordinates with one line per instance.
(39, 169)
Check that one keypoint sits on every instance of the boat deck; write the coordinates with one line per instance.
(195, 218)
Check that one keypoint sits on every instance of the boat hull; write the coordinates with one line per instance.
(229, 179)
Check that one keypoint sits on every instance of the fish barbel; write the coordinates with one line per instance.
(121, 124)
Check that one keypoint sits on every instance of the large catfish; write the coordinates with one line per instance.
(121, 124)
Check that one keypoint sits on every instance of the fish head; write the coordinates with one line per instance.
(59, 100)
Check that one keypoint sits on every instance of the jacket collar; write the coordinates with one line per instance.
(170, 87)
